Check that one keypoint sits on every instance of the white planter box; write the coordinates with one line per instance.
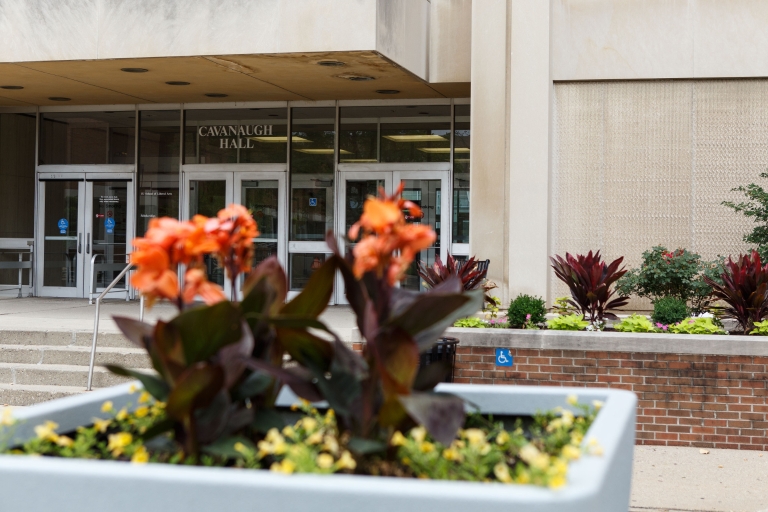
(41, 484)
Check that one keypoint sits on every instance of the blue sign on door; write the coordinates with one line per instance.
(63, 225)
(312, 201)
(503, 357)
(109, 223)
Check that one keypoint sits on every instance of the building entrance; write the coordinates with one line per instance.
(85, 226)
(424, 187)
(260, 188)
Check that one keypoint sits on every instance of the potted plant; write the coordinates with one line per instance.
(221, 419)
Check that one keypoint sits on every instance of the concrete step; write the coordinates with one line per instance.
(57, 375)
(28, 394)
(63, 338)
(73, 355)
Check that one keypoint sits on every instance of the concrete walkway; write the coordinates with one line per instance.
(668, 479)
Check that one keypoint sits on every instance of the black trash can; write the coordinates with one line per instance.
(443, 350)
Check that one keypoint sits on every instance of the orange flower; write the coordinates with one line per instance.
(169, 243)
(385, 232)
(196, 283)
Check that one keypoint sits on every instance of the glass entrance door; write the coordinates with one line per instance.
(263, 192)
(85, 225)
(424, 188)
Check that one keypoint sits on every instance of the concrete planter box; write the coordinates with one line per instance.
(37, 484)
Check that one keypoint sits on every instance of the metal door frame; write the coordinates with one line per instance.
(85, 176)
(393, 174)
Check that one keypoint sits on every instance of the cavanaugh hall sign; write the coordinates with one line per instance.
(234, 137)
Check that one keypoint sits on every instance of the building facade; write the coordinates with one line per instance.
(609, 124)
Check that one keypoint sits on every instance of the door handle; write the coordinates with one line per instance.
(88, 244)
(79, 243)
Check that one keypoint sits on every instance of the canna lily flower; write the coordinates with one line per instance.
(385, 232)
(196, 283)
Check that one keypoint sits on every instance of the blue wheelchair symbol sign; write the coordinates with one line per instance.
(109, 223)
(312, 201)
(503, 357)
(63, 224)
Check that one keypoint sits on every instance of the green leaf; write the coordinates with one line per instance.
(398, 360)
(441, 414)
(428, 317)
(196, 387)
(203, 331)
(154, 385)
(266, 419)
(161, 427)
(366, 446)
(139, 333)
(306, 348)
(225, 447)
(314, 298)
(256, 383)
(265, 288)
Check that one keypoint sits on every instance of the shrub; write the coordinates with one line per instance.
(590, 281)
(573, 322)
(744, 289)
(755, 208)
(761, 328)
(697, 325)
(525, 305)
(470, 322)
(562, 306)
(471, 277)
(678, 274)
(635, 323)
(669, 310)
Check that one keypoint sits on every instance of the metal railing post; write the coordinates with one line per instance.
(96, 321)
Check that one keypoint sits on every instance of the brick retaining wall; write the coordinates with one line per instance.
(705, 400)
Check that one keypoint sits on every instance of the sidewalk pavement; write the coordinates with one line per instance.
(666, 479)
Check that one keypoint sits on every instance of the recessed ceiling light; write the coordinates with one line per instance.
(423, 113)
(134, 70)
(331, 63)
(355, 78)
(216, 95)
(388, 91)
(59, 98)
(416, 138)
(177, 83)
(11, 87)
(274, 115)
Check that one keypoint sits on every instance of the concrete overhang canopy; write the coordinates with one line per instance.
(259, 50)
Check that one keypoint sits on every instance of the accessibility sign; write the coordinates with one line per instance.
(504, 357)
(63, 225)
(109, 223)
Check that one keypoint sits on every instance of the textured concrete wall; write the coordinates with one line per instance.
(638, 164)
(623, 39)
(450, 41)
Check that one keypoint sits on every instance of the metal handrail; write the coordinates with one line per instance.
(92, 289)
(96, 320)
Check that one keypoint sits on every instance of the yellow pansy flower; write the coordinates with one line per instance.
(122, 415)
(6, 419)
(597, 404)
(47, 431)
(324, 461)
(571, 452)
(144, 397)
(140, 456)
(398, 439)
(475, 437)
(64, 441)
(572, 399)
(101, 425)
(419, 434)
(501, 470)
(330, 444)
(452, 454)
(132, 389)
(117, 442)
(346, 461)
(315, 438)
(286, 466)
(141, 411)
(107, 406)
(426, 447)
(502, 438)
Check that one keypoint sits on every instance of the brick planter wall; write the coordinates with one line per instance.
(716, 400)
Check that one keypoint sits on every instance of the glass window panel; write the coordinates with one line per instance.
(256, 135)
(60, 245)
(159, 148)
(312, 167)
(73, 138)
(261, 198)
(302, 266)
(207, 198)
(17, 176)
(461, 138)
(406, 133)
(110, 201)
(426, 194)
